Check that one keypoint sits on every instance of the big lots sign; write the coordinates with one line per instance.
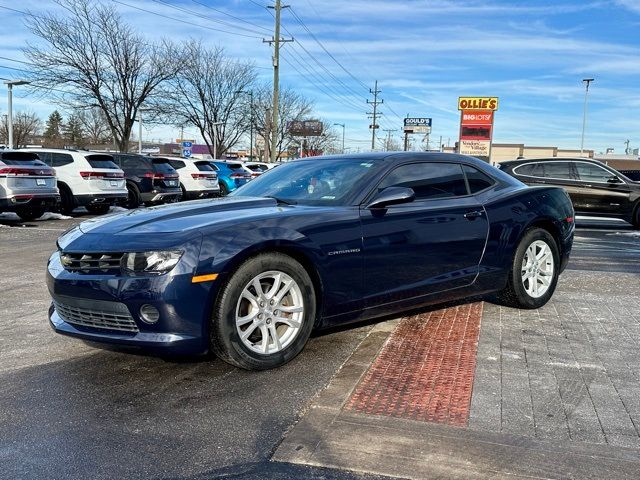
(476, 125)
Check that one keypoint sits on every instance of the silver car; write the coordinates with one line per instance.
(28, 186)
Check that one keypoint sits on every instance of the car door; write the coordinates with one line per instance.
(597, 194)
(432, 244)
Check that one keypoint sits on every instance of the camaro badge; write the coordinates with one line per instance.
(341, 252)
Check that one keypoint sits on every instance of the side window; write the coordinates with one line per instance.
(478, 181)
(592, 173)
(526, 169)
(45, 157)
(559, 170)
(428, 180)
(177, 164)
(60, 159)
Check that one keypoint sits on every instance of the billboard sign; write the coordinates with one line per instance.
(417, 125)
(305, 128)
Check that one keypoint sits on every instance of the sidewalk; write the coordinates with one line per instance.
(479, 390)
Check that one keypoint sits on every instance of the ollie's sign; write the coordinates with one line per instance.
(476, 125)
(477, 103)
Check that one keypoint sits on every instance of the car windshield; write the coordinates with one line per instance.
(310, 182)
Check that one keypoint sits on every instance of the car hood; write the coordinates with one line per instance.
(180, 217)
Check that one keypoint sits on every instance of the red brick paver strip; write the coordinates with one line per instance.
(425, 370)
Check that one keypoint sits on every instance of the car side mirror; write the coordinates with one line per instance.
(614, 179)
(392, 196)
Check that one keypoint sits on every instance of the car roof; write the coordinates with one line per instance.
(550, 159)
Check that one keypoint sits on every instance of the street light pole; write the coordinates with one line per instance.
(341, 125)
(250, 93)
(215, 139)
(10, 84)
(586, 81)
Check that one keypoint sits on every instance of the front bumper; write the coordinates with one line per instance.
(84, 301)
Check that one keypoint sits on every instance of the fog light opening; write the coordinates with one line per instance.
(149, 313)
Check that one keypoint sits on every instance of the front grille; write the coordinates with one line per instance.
(91, 262)
(101, 315)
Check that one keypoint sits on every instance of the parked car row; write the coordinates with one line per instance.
(33, 181)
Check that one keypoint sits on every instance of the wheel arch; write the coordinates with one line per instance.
(545, 224)
(284, 247)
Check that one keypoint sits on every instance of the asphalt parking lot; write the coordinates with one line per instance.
(72, 410)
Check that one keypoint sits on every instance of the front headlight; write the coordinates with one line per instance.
(153, 263)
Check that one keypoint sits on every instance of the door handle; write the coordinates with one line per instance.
(473, 215)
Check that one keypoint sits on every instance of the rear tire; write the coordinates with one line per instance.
(133, 198)
(534, 271)
(99, 209)
(67, 202)
(636, 217)
(264, 314)
(28, 213)
(224, 191)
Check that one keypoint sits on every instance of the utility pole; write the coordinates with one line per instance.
(276, 76)
(374, 115)
(406, 138)
(387, 146)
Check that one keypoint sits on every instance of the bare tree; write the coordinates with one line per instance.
(99, 60)
(326, 144)
(94, 125)
(293, 106)
(26, 125)
(209, 93)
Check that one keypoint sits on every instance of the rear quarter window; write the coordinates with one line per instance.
(477, 180)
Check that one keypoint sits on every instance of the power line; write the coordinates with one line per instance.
(199, 15)
(325, 49)
(231, 16)
(173, 19)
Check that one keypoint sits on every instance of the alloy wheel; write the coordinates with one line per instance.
(269, 312)
(537, 269)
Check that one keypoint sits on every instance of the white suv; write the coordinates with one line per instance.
(85, 179)
(198, 179)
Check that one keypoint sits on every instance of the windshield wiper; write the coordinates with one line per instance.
(282, 200)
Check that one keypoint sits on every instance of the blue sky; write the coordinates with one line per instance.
(424, 54)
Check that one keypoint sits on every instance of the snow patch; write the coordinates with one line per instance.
(9, 216)
(53, 216)
(115, 208)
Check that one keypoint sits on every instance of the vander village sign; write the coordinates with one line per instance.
(476, 125)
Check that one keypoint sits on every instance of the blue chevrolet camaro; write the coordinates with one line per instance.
(313, 243)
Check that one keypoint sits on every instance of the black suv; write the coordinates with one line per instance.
(595, 188)
(149, 180)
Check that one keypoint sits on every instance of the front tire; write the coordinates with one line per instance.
(265, 313)
(534, 272)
